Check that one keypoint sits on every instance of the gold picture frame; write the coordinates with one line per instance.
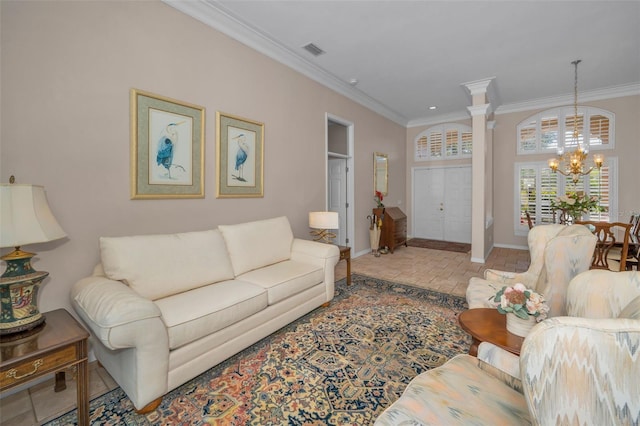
(167, 147)
(240, 157)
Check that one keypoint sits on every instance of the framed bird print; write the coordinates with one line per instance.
(167, 147)
(240, 157)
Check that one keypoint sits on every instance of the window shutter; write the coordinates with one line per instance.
(467, 143)
(549, 133)
(599, 186)
(569, 141)
(548, 193)
(421, 148)
(435, 146)
(528, 189)
(598, 130)
(452, 143)
(528, 137)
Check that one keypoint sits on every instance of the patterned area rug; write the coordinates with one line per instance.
(439, 245)
(341, 365)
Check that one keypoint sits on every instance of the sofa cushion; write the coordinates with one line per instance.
(157, 266)
(253, 245)
(205, 310)
(285, 279)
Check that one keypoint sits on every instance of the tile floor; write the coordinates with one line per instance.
(444, 271)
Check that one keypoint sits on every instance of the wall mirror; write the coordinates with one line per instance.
(380, 173)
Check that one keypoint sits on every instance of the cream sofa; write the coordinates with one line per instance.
(164, 308)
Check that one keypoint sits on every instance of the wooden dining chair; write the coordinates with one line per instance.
(529, 221)
(611, 250)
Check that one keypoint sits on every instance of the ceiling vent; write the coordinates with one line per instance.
(313, 49)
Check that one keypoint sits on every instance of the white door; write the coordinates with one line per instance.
(337, 195)
(428, 206)
(457, 205)
(442, 204)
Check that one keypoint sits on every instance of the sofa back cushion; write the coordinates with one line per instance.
(157, 266)
(253, 245)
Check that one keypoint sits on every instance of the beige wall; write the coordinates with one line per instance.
(627, 150)
(67, 69)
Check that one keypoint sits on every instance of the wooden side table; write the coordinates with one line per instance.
(489, 325)
(61, 342)
(345, 254)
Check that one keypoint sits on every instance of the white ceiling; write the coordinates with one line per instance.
(409, 55)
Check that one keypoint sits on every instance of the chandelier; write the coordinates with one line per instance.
(573, 164)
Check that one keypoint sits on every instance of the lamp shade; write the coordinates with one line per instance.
(323, 220)
(25, 216)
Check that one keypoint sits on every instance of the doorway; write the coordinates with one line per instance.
(339, 134)
(442, 203)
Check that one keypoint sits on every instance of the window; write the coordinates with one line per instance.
(553, 129)
(444, 142)
(536, 186)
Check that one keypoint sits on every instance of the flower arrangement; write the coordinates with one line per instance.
(378, 199)
(576, 203)
(522, 302)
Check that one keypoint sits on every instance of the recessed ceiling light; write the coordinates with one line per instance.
(353, 81)
(432, 107)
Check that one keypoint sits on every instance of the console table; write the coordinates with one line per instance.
(59, 343)
(345, 254)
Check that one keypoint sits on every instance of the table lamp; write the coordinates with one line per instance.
(322, 222)
(25, 218)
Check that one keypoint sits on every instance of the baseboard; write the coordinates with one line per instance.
(511, 246)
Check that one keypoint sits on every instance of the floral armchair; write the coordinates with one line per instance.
(558, 253)
(571, 370)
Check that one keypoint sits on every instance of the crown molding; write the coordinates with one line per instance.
(219, 18)
(439, 119)
(587, 96)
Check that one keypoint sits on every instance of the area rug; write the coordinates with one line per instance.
(340, 365)
(439, 245)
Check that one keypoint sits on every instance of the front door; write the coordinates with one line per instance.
(442, 203)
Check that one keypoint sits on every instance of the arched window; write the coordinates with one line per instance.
(552, 129)
(444, 142)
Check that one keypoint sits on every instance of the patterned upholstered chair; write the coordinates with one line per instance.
(558, 253)
(571, 370)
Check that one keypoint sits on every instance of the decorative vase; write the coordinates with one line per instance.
(519, 326)
(374, 239)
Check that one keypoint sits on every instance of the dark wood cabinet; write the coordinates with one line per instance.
(394, 227)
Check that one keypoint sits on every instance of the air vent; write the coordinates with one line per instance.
(313, 49)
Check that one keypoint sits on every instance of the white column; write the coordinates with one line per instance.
(479, 181)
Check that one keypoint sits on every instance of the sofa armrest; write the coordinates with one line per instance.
(320, 254)
(106, 305)
(313, 251)
(499, 358)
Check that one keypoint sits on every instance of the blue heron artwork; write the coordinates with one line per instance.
(241, 157)
(166, 148)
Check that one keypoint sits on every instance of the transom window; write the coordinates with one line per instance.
(444, 142)
(553, 129)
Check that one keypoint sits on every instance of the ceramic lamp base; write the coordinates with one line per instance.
(519, 326)
(19, 287)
